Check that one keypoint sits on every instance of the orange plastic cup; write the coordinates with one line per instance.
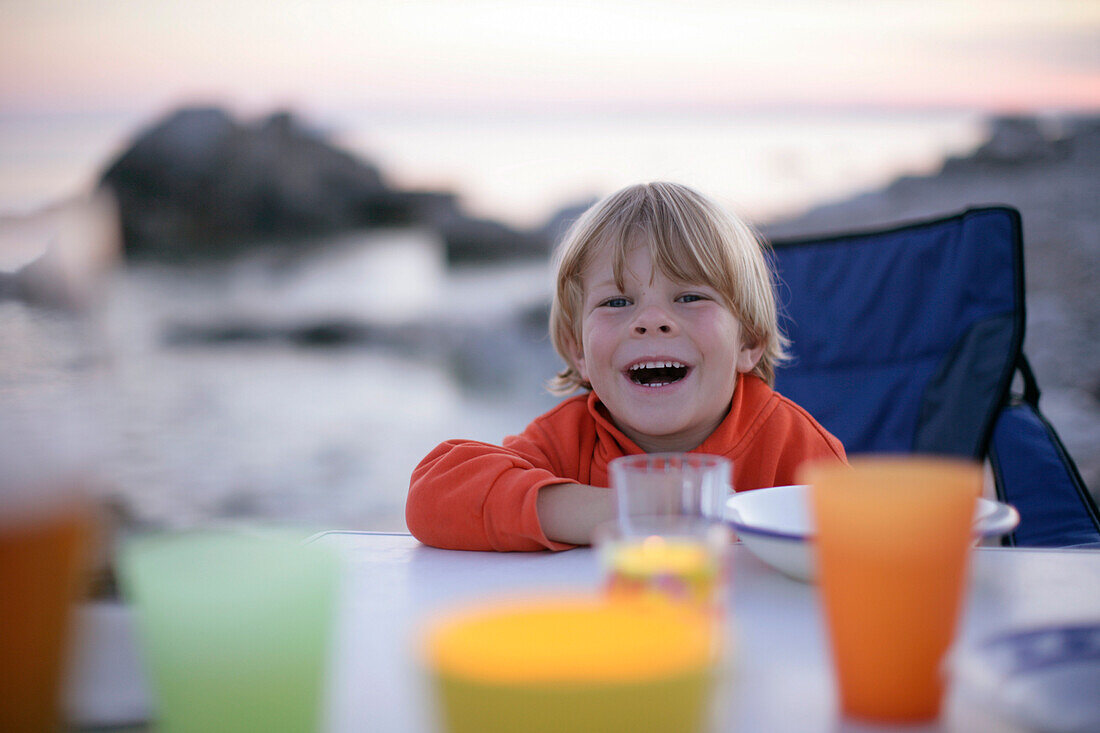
(893, 538)
(43, 559)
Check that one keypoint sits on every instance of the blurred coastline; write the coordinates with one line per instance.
(520, 167)
(301, 386)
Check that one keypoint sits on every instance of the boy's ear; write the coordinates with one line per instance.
(577, 352)
(748, 357)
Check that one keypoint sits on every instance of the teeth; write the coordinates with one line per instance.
(657, 365)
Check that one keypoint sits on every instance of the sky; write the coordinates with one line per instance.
(984, 55)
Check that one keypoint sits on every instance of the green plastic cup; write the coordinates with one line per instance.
(235, 629)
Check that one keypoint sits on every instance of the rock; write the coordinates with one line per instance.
(331, 333)
(1019, 139)
(69, 251)
(197, 183)
(471, 241)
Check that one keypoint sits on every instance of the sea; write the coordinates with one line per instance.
(212, 394)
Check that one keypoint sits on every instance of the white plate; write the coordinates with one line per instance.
(1031, 679)
(775, 525)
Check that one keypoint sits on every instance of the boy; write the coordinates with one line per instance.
(665, 315)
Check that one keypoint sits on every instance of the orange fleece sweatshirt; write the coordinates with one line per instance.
(468, 495)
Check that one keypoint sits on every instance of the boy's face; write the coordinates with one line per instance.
(663, 356)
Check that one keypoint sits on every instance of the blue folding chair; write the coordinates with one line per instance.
(908, 340)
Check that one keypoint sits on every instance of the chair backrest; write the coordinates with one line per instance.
(906, 340)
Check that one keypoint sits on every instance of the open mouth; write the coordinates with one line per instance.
(657, 373)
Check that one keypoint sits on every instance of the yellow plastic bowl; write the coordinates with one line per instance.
(573, 664)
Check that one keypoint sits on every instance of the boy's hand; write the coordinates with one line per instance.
(570, 512)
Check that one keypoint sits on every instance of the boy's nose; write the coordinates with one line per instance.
(653, 320)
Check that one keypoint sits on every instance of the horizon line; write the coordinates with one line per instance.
(521, 108)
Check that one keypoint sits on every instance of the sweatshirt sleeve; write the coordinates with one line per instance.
(468, 495)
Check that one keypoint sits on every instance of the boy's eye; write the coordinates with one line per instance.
(616, 302)
(690, 298)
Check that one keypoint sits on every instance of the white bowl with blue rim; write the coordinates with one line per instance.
(775, 525)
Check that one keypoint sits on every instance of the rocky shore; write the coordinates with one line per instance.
(1050, 172)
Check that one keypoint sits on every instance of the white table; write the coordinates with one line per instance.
(781, 680)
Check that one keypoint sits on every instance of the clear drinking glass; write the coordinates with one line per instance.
(689, 484)
(678, 558)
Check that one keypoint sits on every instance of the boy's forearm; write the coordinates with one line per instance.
(570, 512)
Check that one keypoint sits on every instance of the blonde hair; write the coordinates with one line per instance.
(690, 239)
